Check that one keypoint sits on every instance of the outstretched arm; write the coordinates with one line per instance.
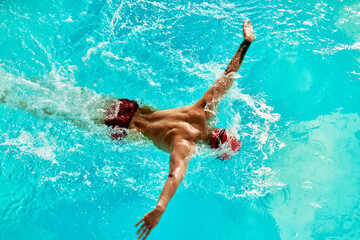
(179, 158)
(212, 96)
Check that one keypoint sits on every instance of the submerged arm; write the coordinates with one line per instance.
(212, 96)
(179, 158)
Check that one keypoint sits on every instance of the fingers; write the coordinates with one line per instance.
(247, 23)
(139, 222)
(140, 229)
(146, 234)
(145, 229)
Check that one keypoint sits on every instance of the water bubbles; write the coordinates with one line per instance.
(164, 54)
(37, 145)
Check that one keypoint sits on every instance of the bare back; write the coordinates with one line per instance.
(164, 126)
(176, 131)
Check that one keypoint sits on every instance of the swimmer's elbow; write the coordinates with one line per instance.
(176, 175)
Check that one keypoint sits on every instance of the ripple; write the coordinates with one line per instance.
(276, 199)
(318, 95)
(317, 147)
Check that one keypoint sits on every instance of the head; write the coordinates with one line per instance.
(220, 137)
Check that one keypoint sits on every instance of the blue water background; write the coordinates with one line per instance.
(295, 104)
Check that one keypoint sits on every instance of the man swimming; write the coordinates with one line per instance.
(178, 130)
(173, 130)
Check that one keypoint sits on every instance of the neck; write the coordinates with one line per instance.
(206, 137)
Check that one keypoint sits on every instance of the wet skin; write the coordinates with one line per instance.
(187, 123)
(177, 130)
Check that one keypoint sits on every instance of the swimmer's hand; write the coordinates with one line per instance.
(248, 31)
(151, 219)
(180, 155)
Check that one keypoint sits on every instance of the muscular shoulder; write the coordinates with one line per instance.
(182, 147)
(197, 113)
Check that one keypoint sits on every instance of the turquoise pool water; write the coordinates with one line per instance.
(295, 104)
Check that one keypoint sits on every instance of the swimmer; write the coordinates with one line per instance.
(178, 130)
(175, 131)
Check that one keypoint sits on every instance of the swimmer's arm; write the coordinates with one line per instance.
(179, 158)
(239, 56)
(211, 98)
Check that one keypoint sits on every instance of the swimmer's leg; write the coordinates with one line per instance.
(57, 100)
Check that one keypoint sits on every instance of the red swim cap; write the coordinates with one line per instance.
(221, 136)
